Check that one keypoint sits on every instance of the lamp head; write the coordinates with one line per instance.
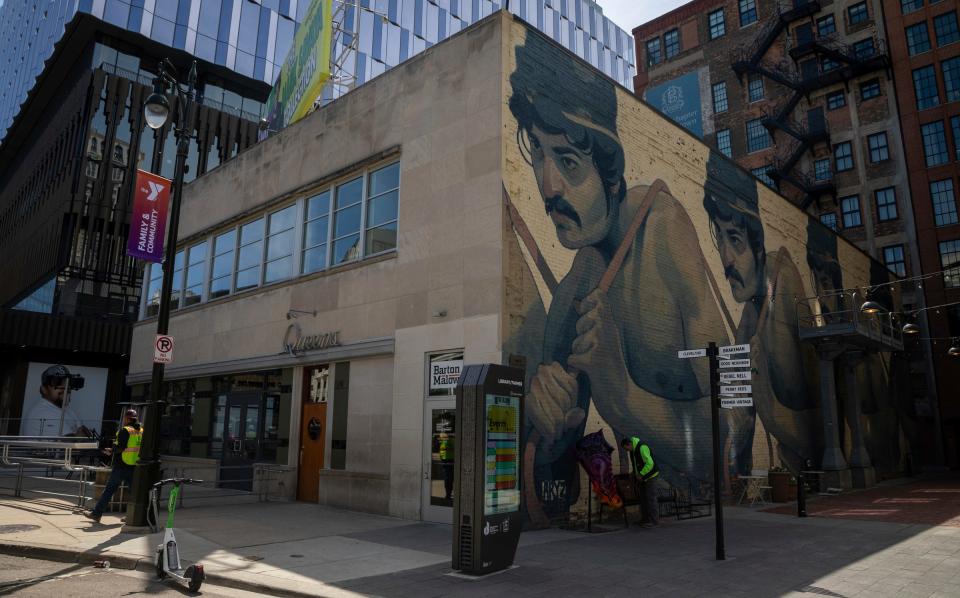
(911, 328)
(156, 110)
(870, 307)
(954, 351)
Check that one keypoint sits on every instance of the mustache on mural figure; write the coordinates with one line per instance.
(561, 206)
(731, 273)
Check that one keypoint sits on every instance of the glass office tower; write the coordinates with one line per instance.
(390, 31)
(252, 37)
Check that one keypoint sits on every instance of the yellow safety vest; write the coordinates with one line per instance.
(446, 450)
(131, 452)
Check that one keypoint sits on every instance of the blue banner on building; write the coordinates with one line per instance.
(679, 99)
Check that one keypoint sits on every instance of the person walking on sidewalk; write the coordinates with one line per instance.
(646, 470)
(127, 445)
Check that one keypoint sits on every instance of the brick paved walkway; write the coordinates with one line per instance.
(927, 502)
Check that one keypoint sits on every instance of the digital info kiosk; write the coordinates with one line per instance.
(486, 505)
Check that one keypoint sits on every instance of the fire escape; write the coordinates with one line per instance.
(817, 62)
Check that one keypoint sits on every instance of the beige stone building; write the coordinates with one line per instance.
(463, 208)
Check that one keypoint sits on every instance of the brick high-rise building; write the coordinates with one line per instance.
(799, 92)
(925, 59)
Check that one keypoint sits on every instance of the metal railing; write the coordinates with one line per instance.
(841, 313)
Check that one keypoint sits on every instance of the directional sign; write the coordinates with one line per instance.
(734, 376)
(732, 390)
(729, 402)
(690, 353)
(163, 349)
(734, 349)
(734, 363)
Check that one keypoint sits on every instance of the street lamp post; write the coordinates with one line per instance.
(156, 111)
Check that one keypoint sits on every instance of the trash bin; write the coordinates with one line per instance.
(779, 486)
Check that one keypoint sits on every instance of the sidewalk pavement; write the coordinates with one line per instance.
(302, 549)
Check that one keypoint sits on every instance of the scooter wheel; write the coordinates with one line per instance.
(160, 572)
(196, 578)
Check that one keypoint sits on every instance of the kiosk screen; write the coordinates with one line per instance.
(502, 484)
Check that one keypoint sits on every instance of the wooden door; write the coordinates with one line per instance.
(313, 426)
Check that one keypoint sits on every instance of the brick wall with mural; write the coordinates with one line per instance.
(627, 240)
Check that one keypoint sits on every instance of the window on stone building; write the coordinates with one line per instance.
(653, 52)
(720, 97)
(946, 28)
(154, 276)
(755, 87)
(758, 137)
(950, 262)
(925, 87)
(748, 12)
(951, 78)
(315, 231)
(763, 173)
(826, 25)
(870, 89)
(908, 6)
(886, 199)
(250, 255)
(955, 126)
(944, 202)
(879, 150)
(836, 99)
(671, 43)
(821, 170)
(894, 260)
(221, 273)
(723, 143)
(716, 23)
(193, 276)
(346, 228)
(918, 38)
(864, 48)
(383, 196)
(829, 220)
(843, 156)
(281, 230)
(934, 143)
(858, 13)
(828, 64)
(850, 209)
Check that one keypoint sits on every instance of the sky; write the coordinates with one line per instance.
(631, 13)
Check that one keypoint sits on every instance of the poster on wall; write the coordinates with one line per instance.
(679, 99)
(63, 400)
(501, 483)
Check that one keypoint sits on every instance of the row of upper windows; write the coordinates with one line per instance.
(343, 223)
(716, 25)
(945, 26)
(908, 6)
(925, 86)
(885, 200)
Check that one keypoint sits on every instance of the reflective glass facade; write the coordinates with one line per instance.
(252, 37)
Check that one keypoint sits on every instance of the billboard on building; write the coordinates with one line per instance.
(680, 100)
(63, 400)
(306, 68)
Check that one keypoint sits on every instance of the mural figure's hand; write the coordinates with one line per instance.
(597, 350)
(552, 403)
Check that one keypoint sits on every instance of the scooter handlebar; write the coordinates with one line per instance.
(177, 481)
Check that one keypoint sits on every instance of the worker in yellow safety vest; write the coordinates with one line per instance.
(646, 471)
(126, 454)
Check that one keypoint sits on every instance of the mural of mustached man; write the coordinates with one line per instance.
(636, 291)
(768, 285)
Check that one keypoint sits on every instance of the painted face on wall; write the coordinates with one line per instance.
(738, 258)
(572, 190)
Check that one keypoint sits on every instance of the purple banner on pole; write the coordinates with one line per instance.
(151, 201)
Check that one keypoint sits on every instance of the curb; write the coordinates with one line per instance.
(142, 564)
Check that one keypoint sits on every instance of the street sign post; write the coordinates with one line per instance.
(731, 402)
(734, 349)
(715, 424)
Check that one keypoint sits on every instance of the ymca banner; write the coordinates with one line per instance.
(151, 201)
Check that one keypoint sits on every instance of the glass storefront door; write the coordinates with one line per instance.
(241, 439)
(439, 465)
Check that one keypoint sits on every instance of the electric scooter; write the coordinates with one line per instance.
(168, 559)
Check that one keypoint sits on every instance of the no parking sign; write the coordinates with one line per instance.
(163, 349)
